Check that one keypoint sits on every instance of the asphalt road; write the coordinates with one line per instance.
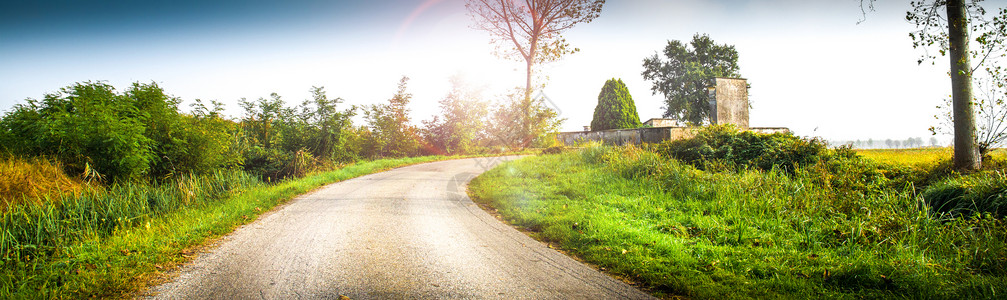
(407, 233)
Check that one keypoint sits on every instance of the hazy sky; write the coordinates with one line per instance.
(811, 66)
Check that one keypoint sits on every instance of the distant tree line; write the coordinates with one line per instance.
(141, 134)
(913, 142)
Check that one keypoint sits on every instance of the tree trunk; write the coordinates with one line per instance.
(966, 155)
(527, 137)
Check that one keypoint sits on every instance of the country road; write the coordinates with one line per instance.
(407, 233)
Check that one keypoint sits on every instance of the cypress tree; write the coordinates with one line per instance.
(616, 109)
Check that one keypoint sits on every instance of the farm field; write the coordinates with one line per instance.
(702, 224)
(920, 156)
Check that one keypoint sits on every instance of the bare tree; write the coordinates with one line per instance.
(990, 108)
(531, 30)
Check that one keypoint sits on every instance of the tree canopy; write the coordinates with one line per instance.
(531, 31)
(616, 109)
(687, 72)
(391, 129)
(459, 127)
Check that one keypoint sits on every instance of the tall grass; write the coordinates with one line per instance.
(38, 229)
(112, 243)
(840, 228)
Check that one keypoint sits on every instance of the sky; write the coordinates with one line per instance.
(811, 66)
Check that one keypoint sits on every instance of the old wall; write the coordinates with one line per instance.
(640, 135)
(662, 123)
(625, 136)
(732, 102)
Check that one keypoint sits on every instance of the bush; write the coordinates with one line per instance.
(269, 163)
(725, 144)
(86, 125)
(616, 109)
(135, 135)
(458, 129)
(554, 150)
(979, 193)
(208, 143)
(841, 175)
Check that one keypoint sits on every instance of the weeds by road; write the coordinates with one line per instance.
(836, 226)
(112, 242)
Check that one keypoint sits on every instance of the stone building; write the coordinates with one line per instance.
(728, 105)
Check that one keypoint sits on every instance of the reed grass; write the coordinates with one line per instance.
(115, 242)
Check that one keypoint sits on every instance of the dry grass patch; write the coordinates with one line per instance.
(34, 179)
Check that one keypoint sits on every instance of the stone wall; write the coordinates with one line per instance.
(641, 135)
(662, 123)
(625, 136)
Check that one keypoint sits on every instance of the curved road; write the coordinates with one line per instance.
(406, 233)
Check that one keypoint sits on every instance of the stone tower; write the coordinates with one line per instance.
(729, 102)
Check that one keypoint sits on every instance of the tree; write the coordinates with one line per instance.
(260, 119)
(950, 33)
(616, 109)
(502, 130)
(392, 133)
(532, 31)
(211, 142)
(459, 128)
(164, 126)
(263, 126)
(684, 78)
(325, 125)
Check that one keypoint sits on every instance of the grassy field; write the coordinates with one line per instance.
(845, 227)
(909, 156)
(920, 156)
(113, 242)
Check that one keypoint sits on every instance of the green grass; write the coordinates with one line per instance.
(848, 229)
(113, 244)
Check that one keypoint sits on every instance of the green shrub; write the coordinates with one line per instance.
(85, 126)
(136, 135)
(269, 163)
(554, 150)
(979, 193)
(208, 143)
(458, 129)
(725, 144)
(616, 109)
